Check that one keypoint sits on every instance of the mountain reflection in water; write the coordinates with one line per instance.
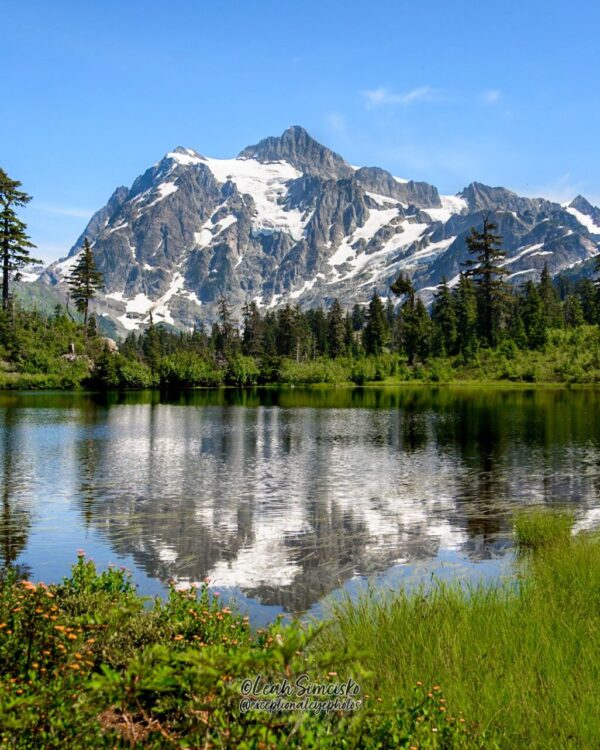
(285, 496)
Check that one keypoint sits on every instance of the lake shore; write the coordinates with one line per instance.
(511, 665)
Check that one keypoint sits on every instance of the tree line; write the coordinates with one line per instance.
(476, 311)
(479, 310)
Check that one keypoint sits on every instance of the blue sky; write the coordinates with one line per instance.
(506, 93)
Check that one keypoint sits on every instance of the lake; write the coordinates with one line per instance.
(285, 497)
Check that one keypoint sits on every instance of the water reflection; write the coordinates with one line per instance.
(286, 495)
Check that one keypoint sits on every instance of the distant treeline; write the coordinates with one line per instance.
(478, 328)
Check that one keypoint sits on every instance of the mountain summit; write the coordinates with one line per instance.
(296, 147)
(289, 221)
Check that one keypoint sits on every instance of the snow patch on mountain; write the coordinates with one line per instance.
(268, 186)
(451, 205)
(163, 190)
(585, 221)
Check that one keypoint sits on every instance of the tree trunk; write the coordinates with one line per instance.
(5, 266)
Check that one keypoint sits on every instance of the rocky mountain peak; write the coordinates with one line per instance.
(289, 221)
(582, 204)
(480, 197)
(297, 147)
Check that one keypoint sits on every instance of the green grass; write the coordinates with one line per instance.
(87, 664)
(520, 660)
(538, 528)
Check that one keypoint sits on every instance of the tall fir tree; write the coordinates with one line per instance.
(534, 316)
(359, 317)
(14, 241)
(488, 275)
(550, 300)
(466, 316)
(376, 332)
(253, 335)
(226, 334)
(336, 323)
(443, 315)
(573, 311)
(587, 293)
(84, 281)
(151, 345)
(413, 326)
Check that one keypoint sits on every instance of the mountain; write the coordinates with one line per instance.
(289, 220)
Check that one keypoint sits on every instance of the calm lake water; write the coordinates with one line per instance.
(286, 497)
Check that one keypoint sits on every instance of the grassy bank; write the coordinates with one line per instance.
(570, 356)
(521, 662)
(85, 664)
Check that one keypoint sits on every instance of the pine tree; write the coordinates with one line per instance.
(466, 316)
(550, 300)
(573, 312)
(534, 317)
(319, 332)
(14, 242)
(443, 316)
(587, 293)
(487, 273)
(413, 323)
(84, 281)
(252, 338)
(337, 330)
(376, 332)
(151, 345)
(227, 337)
(358, 317)
(390, 313)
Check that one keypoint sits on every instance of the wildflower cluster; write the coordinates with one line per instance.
(86, 663)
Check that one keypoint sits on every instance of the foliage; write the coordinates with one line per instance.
(539, 333)
(84, 663)
(84, 281)
(539, 528)
(14, 241)
(520, 658)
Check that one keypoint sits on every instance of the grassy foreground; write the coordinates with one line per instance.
(85, 664)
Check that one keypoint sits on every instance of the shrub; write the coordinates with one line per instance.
(186, 370)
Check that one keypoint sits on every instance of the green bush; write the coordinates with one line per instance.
(186, 370)
(242, 371)
(85, 664)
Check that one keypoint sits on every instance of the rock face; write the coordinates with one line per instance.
(290, 221)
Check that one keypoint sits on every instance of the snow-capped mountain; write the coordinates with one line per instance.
(289, 220)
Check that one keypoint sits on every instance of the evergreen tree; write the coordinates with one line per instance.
(84, 281)
(358, 317)
(413, 323)
(587, 292)
(92, 328)
(487, 273)
(376, 332)
(534, 317)
(443, 316)
(573, 312)
(351, 343)
(415, 330)
(286, 338)
(227, 339)
(14, 242)
(550, 300)
(318, 325)
(466, 316)
(390, 313)
(516, 327)
(252, 338)
(151, 345)
(337, 330)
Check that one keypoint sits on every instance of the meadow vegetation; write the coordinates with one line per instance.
(515, 665)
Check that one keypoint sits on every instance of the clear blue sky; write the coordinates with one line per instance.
(93, 93)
